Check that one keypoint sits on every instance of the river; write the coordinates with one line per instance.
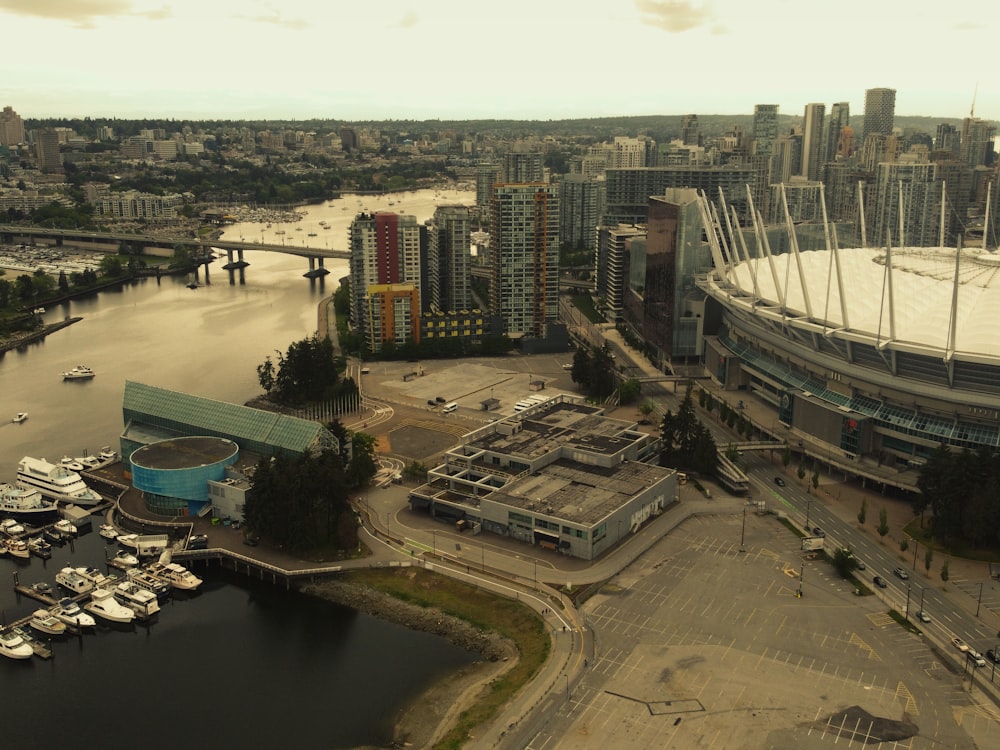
(241, 664)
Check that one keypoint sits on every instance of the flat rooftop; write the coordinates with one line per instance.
(184, 453)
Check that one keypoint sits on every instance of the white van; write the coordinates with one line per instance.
(449, 407)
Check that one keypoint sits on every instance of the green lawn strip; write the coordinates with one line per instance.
(585, 304)
(511, 619)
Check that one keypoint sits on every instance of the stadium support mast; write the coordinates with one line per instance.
(953, 314)
(986, 221)
(798, 257)
(861, 213)
(763, 248)
(944, 198)
(831, 247)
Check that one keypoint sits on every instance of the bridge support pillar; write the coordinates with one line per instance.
(315, 271)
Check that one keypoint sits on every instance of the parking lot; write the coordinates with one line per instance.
(701, 645)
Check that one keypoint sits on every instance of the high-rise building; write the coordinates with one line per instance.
(486, 176)
(581, 205)
(765, 128)
(813, 151)
(523, 166)
(11, 127)
(880, 109)
(448, 256)
(690, 134)
(47, 150)
(611, 266)
(631, 153)
(977, 142)
(393, 315)
(385, 250)
(524, 257)
(840, 117)
(917, 181)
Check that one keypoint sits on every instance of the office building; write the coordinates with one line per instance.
(581, 205)
(977, 142)
(690, 134)
(880, 109)
(47, 150)
(448, 284)
(765, 128)
(813, 147)
(11, 127)
(840, 116)
(524, 255)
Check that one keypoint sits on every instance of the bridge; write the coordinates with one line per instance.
(316, 256)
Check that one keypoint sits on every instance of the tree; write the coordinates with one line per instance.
(944, 571)
(786, 456)
(629, 391)
(904, 544)
(815, 478)
(863, 513)
(928, 559)
(801, 471)
(645, 409)
(362, 466)
(844, 562)
(306, 373)
(883, 523)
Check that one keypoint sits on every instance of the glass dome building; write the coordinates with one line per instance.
(173, 474)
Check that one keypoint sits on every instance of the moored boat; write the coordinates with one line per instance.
(176, 575)
(10, 527)
(104, 605)
(70, 613)
(71, 463)
(108, 531)
(14, 646)
(25, 504)
(65, 527)
(56, 482)
(18, 548)
(96, 578)
(125, 559)
(144, 580)
(70, 580)
(45, 622)
(141, 601)
(39, 547)
(20, 417)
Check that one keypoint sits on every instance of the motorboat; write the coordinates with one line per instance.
(45, 622)
(80, 372)
(175, 574)
(141, 601)
(70, 613)
(103, 604)
(108, 531)
(13, 646)
(25, 504)
(52, 536)
(10, 527)
(144, 580)
(56, 482)
(40, 548)
(96, 578)
(70, 580)
(20, 417)
(107, 456)
(42, 587)
(18, 548)
(125, 559)
(131, 541)
(65, 527)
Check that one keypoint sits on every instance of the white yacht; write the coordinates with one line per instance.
(72, 581)
(18, 548)
(80, 372)
(25, 504)
(72, 464)
(10, 527)
(70, 613)
(108, 531)
(96, 578)
(144, 580)
(141, 601)
(103, 604)
(65, 527)
(45, 622)
(14, 646)
(125, 559)
(20, 417)
(176, 575)
(54, 481)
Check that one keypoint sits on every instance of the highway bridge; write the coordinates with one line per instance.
(11, 234)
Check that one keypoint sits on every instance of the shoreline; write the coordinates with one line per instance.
(435, 709)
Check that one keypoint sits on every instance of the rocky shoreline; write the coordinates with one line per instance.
(432, 713)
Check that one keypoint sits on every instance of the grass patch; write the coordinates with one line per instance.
(903, 622)
(585, 304)
(511, 619)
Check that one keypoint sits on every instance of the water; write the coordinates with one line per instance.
(240, 664)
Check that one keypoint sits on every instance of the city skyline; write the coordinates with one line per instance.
(397, 59)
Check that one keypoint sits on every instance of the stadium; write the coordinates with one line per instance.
(871, 356)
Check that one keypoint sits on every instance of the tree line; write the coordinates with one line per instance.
(962, 489)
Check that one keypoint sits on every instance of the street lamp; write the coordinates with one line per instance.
(922, 590)
(808, 508)
(907, 601)
(434, 544)
(980, 603)
(743, 531)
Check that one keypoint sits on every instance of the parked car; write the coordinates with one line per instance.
(817, 531)
(431, 402)
(993, 656)
(198, 541)
(901, 573)
(441, 399)
(880, 582)
(779, 481)
(923, 616)
(959, 644)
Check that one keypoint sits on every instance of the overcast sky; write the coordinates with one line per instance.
(507, 59)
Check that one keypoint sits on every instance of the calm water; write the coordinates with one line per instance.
(241, 664)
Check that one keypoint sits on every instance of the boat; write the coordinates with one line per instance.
(312, 234)
(94, 576)
(107, 456)
(176, 575)
(42, 587)
(10, 527)
(80, 372)
(70, 613)
(71, 463)
(25, 504)
(125, 559)
(104, 605)
(45, 622)
(39, 311)
(40, 548)
(70, 580)
(128, 540)
(56, 482)
(141, 601)
(65, 527)
(20, 417)
(13, 646)
(52, 536)
(144, 580)
(108, 531)
(18, 548)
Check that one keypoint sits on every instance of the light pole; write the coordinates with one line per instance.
(916, 546)
(907, 601)
(434, 543)
(743, 531)
(980, 603)
(802, 573)
(809, 503)
(922, 590)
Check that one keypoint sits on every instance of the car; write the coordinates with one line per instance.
(431, 403)
(901, 573)
(198, 541)
(567, 366)
(923, 616)
(779, 481)
(251, 541)
(977, 658)
(441, 399)
(861, 565)
(993, 656)
(817, 531)
(880, 582)
(959, 644)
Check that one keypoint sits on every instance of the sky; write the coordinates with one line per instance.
(511, 59)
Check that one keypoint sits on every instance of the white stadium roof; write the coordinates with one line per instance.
(916, 313)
